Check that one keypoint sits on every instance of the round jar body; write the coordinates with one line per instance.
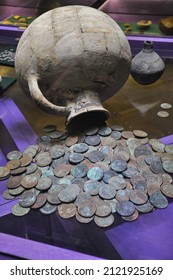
(69, 52)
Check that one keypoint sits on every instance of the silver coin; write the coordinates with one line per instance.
(75, 158)
(107, 191)
(95, 173)
(91, 187)
(67, 195)
(162, 114)
(145, 208)
(48, 209)
(18, 210)
(27, 198)
(166, 106)
(87, 209)
(168, 166)
(158, 200)
(125, 208)
(103, 209)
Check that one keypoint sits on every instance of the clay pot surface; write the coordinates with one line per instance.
(147, 65)
(71, 59)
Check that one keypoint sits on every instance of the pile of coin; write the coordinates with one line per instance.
(92, 175)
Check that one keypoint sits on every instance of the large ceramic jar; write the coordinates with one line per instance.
(71, 59)
(147, 65)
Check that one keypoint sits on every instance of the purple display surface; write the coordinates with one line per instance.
(28, 249)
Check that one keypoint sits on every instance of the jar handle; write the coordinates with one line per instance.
(41, 101)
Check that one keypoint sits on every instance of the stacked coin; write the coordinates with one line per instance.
(92, 175)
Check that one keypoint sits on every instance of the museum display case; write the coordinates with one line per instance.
(135, 107)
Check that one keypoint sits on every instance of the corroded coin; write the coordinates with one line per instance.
(167, 190)
(90, 131)
(43, 159)
(71, 140)
(91, 187)
(13, 182)
(108, 174)
(125, 208)
(140, 133)
(107, 191)
(18, 210)
(16, 191)
(117, 127)
(104, 221)
(141, 150)
(29, 181)
(158, 200)
(169, 149)
(166, 106)
(79, 170)
(93, 140)
(40, 201)
(140, 185)
(127, 134)
(76, 158)
(116, 135)
(156, 167)
(145, 208)
(44, 183)
(132, 217)
(49, 128)
(119, 165)
(113, 203)
(31, 168)
(103, 209)
(67, 195)
(4, 172)
(62, 170)
(30, 150)
(18, 171)
(83, 220)
(122, 195)
(7, 195)
(104, 130)
(56, 152)
(80, 148)
(168, 166)
(48, 208)
(14, 155)
(52, 198)
(82, 198)
(56, 134)
(95, 173)
(25, 160)
(162, 114)
(131, 171)
(96, 156)
(13, 164)
(151, 188)
(109, 141)
(138, 196)
(27, 198)
(87, 209)
(67, 211)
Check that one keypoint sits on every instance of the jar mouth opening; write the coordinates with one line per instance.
(87, 119)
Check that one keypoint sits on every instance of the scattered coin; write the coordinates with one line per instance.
(167, 190)
(158, 200)
(43, 183)
(122, 195)
(119, 183)
(87, 209)
(82, 198)
(67, 195)
(43, 159)
(80, 148)
(71, 140)
(79, 170)
(145, 208)
(29, 181)
(7, 195)
(138, 197)
(27, 198)
(67, 211)
(119, 165)
(48, 208)
(90, 131)
(162, 114)
(95, 173)
(52, 198)
(104, 130)
(93, 140)
(103, 209)
(107, 191)
(49, 128)
(13, 182)
(18, 210)
(16, 191)
(169, 149)
(25, 160)
(62, 170)
(132, 217)
(125, 208)
(14, 155)
(96, 156)
(104, 221)
(40, 201)
(4, 172)
(75, 158)
(91, 187)
(140, 133)
(18, 171)
(166, 106)
(168, 166)
(83, 220)
(13, 164)
(56, 152)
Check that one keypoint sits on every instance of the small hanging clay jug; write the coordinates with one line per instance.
(147, 65)
(71, 59)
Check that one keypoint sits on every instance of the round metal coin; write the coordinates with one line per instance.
(79, 171)
(103, 209)
(48, 208)
(67, 211)
(44, 183)
(18, 210)
(27, 198)
(132, 217)
(13, 182)
(138, 196)
(40, 201)
(167, 190)
(125, 208)
(87, 209)
(95, 173)
(104, 221)
(107, 191)
(162, 114)
(158, 200)
(29, 181)
(119, 165)
(166, 106)
(14, 155)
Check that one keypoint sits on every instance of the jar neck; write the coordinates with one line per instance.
(148, 46)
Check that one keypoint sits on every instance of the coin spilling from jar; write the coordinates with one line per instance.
(91, 175)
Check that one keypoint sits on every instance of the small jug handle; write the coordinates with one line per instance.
(41, 101)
